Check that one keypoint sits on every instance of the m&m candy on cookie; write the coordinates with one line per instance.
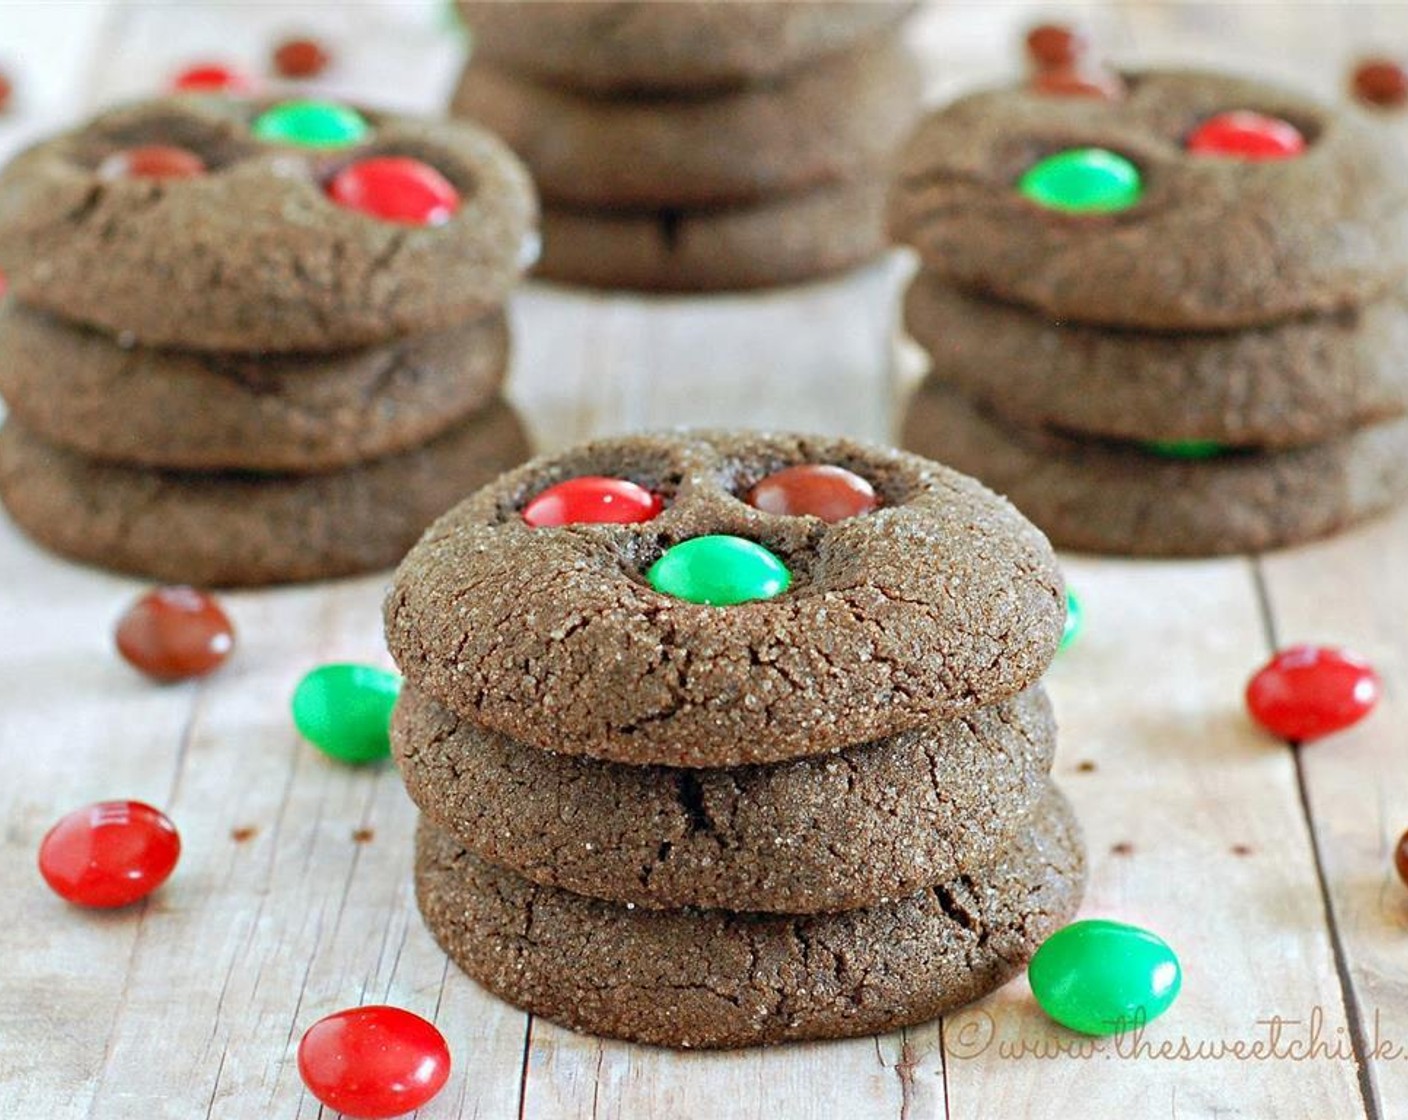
(396, 189)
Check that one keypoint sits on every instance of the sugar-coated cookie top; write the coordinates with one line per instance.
(714, 632)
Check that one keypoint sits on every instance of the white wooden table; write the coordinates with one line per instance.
(1267, 868)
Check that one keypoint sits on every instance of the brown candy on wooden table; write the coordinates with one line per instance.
(1382, 82)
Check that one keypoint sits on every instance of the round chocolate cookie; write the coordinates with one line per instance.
(1297, 382)
(939, 602)
(1126, 499)
(787, 240)
(1150, 234)
(868, 824)
(714, 978)
(226, 530)
(838, 120)
(254, 254)
(196, 410)
(621, 47)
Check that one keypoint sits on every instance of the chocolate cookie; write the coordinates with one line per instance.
(1296, 382)
(786, 240)
(1125, 499)
(240, 529)
(253, 254)
(941, 601)
(206, 411)
(632, 47)
(842, 118)
(712, 978)
(1211, 242)
(868, 824)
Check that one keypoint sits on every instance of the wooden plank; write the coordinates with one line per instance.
(1356, 784)
(1194, 830)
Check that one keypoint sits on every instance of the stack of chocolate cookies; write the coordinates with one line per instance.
(722, 740)
(250, 343)
(696, 145)
(1168, 324)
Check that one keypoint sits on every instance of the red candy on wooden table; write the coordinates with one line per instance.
(174, 633)
(1381, 82)
(816, 490)
(1054, 45)
(6, 89)
(1078, 81)
(1400, 858)
(152, 161)
(1243, 134)
(211, 77)
(109, 854)
(1308, 692)
(300, 58)
(592, 500)
(373, 1062)
(396, 189)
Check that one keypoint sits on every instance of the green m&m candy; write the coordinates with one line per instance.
(1074, 618)
(1083, 181)
(311, 124)
(345, 711)
(719, 571)
(1184, 448)
(1101, 977)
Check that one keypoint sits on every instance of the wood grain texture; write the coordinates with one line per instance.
(1267, 867)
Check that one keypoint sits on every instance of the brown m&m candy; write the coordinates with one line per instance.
(814, 490)
(1078, 81)
(300, 58)
(1380, 81)
(175, 633)
(152, 161)
(1053, 46)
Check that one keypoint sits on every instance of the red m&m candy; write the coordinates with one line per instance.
(173, 633)
(814, 490)
(396, 189)
(1308, 692)
(109, 854)
(373, 1062)
(152, 161)
(1243, 134)
(592, 500)
(211, 77)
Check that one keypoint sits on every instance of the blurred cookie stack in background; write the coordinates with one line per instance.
(255, 343)
(1165, 320)
(697, 146)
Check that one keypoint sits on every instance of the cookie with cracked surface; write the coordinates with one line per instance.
(839, 120)
(192, 410)
(253, 253)
(625, 47)
(239, 529)
(868, 824)
(1126, 499)
(940, 601)
(786, 240)
(717, 978)
(1180, 239)
(1297, 382)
